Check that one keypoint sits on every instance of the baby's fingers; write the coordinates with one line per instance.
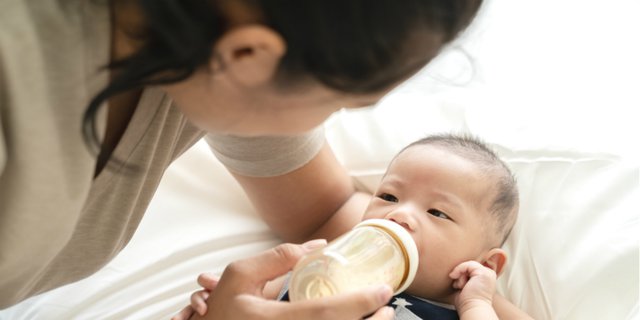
(460, 281)
(184, 314)
(462, 272)
(208, 281)
(199, 301)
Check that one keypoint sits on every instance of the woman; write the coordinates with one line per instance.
(83, 147)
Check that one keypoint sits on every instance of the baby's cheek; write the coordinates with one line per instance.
(372, 214)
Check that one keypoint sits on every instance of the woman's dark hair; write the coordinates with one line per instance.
(354, 46)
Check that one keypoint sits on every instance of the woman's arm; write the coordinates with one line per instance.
(317, 200)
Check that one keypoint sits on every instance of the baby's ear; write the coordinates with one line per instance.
(495, 259)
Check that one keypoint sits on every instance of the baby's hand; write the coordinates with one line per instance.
(208, 281)
(477, 285)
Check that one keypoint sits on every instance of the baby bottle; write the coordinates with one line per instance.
(375, 251)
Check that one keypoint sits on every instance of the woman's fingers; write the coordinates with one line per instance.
(348, 306)
(256, 271)
(384, 313)
(238, 294)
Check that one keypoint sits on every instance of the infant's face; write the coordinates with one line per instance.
(442, 200)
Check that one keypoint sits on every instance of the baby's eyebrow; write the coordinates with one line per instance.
(451, 199)
(390, 180)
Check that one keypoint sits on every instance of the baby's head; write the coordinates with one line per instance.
(458, 200)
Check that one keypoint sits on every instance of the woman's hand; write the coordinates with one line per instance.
(238, 293)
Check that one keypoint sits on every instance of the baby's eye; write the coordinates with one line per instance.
(438, 213)
(388, 197)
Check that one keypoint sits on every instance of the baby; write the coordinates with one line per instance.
(459, 201)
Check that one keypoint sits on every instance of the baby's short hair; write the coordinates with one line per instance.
(505, 204)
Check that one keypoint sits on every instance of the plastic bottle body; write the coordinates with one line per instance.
(369, 254)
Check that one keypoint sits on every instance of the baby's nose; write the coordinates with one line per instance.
(404, 215)
(402, 223)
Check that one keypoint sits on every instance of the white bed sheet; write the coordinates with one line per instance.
(553, 89)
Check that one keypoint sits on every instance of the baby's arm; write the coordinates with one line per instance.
(477, 285)
(507, 310)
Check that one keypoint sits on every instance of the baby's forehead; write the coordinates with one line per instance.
(433, 150)
(471, 177)
(433, 154)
